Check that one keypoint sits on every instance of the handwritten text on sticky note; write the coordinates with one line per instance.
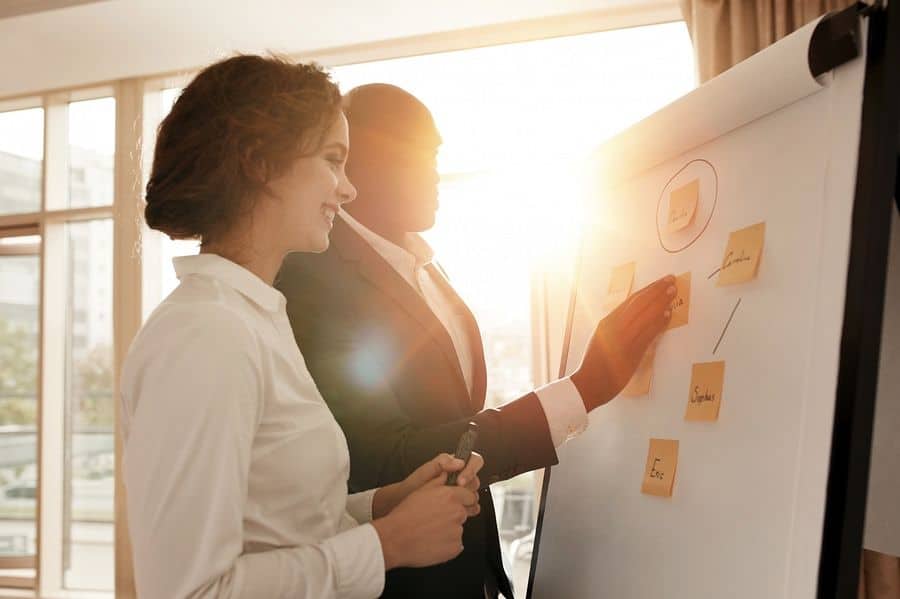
(705, 394)
(681, 303)
(659, 473)
(683, 206)
(742, 255)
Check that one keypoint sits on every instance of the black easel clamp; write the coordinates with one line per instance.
(835, 39)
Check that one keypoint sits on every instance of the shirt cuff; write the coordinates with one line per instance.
(359, 562)
(564, 410)
(359, 505)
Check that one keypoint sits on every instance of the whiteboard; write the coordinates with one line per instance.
(768, 143)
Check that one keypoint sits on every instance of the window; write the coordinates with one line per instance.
(517, 120)
(21, 160)
(19, 321)
(56, 333)
(92, 139)
(89, 442)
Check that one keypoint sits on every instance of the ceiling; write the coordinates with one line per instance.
(51, 47)
(14, 8)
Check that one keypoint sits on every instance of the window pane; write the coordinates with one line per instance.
(89, 451)
(503, 105)
(21, 160)
(19, 296)
(167, 99)
(92, 142)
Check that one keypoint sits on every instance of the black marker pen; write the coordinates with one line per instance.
(464, 450)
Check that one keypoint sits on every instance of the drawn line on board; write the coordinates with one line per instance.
(714, 273)
(726, 325)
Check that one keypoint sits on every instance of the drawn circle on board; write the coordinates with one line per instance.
(705, 173)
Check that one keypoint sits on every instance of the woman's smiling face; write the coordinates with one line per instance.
(309, 194)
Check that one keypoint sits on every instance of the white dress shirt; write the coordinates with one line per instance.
(235, 470)
(560, 400)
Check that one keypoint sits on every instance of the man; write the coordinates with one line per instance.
(398, 356)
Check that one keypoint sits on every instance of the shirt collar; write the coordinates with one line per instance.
(235, 276)
(416, 253)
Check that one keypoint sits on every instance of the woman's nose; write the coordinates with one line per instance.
(348, 192)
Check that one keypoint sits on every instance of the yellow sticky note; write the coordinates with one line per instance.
(742, 255)
(643, 376)
(620, 282)
(662, 461)
(705, 394)
(681, 303)
(683, 206)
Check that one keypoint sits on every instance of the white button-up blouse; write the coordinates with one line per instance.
(235, 470)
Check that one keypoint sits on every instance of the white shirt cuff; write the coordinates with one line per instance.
(564, 410)
(359, 505)
(359, 562)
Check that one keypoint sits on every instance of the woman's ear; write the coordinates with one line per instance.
(253, 166)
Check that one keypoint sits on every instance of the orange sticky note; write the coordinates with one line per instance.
(662, 461)
(620, 283)
(681, 303)
(705, 394)
(683, 206)
(742, 255)
(643, 376)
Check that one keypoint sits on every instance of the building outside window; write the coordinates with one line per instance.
(78, 356)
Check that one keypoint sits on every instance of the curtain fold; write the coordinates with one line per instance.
(725, 32)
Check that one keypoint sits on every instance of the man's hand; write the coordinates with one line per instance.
(389, 496)
(620, 340)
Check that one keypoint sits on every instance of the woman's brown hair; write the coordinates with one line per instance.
(238, 124)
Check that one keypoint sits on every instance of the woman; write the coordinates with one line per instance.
(235, 470)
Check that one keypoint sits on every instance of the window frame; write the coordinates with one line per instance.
(49, 223)
(26, 562)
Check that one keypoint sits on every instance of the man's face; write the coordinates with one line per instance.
(398, 170)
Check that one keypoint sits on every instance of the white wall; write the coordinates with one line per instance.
(123, 38)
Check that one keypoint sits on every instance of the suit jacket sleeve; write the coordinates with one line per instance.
(354, 378)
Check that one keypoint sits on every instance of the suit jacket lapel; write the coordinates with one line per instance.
(376, 269)
(473, 334)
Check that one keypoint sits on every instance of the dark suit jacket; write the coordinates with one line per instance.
(389, 372)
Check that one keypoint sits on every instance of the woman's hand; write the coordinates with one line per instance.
(620, 340)
(426, 527)
(445, 464)
(389, 496)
